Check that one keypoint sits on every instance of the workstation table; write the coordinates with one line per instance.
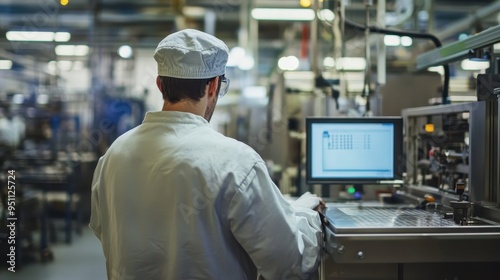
(379, 241)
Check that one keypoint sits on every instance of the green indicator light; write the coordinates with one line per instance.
(351, 190)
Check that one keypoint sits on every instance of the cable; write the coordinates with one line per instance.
(412, 34)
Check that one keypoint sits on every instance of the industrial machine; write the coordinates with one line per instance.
(442, 221)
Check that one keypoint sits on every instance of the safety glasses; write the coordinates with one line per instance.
(224, 86)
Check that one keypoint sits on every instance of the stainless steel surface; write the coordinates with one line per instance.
(412, 271)
(458, 50)
(479, 151)
(388, 234)
(383, 219)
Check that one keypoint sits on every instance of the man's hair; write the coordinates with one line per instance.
(175, 89)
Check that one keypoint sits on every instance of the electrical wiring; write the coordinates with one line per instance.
(412, 34)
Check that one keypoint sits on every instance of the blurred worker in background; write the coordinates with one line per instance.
(175, 199)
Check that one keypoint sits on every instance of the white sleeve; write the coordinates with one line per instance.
(282, 240)
(95, 220)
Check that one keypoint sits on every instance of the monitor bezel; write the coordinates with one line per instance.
(398, 161)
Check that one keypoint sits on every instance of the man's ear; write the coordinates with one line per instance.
(213, 86)
(158, 83)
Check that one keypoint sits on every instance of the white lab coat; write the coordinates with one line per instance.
(174, 199)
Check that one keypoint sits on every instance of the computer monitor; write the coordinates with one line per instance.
(342, 150)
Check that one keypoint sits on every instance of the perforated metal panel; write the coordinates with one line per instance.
(374, 219)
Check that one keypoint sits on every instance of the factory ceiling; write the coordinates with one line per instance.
(142, 24)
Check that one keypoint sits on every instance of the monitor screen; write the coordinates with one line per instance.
(354, 150)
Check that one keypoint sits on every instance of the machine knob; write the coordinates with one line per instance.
(360, 255)
(341, 249)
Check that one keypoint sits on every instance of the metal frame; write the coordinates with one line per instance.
(459, 50)
(414, 248)
(483, 181)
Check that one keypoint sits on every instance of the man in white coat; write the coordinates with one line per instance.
(175, 199)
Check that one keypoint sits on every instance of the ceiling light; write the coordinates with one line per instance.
(329, 62)
(437, 69)
(289, 63)
(64, 2)
(392, 40)
(283, 14)
(406, 41)
(29, 36)
(326, 15)
(42, 99)
(351, 63)
(193, 12)
(254, 92)
(72, 50)
(246, 63)
(78, 65)
(305, 3)
(18, 98)
(125, 51)
(462, 36)
(5, 64)
(37, 36)
(52, 67)
(62, 36)
(236, 55)
(472, 65)
(346, 63)
(64, 65)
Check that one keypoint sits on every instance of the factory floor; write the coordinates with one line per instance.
(81, 260)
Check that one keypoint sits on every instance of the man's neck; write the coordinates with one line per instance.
(197, 108)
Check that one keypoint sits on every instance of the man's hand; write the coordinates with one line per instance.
(321, 207)
(310, 201)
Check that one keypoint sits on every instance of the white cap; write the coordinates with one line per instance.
(191, 54)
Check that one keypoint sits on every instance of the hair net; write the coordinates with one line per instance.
(191, 54)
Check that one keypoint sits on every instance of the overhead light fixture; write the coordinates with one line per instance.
(38, 36)
(395, 40)
(42, 99)
(437, 69)
(351, 63)
(474, 65)
(78, 65)
(18, 98)
(65, 65)
(289, 63)
(282, 14)
(462, 36)
(254, 92)
(125, 51)
(246, 63)
(5, 64)
(326, 15)
(406, 41)
(305, 3)
(329, 62)
(193, 12)
(62, 36)
(236, 55)
(346, 63)
(392, 40)
(72, 50)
